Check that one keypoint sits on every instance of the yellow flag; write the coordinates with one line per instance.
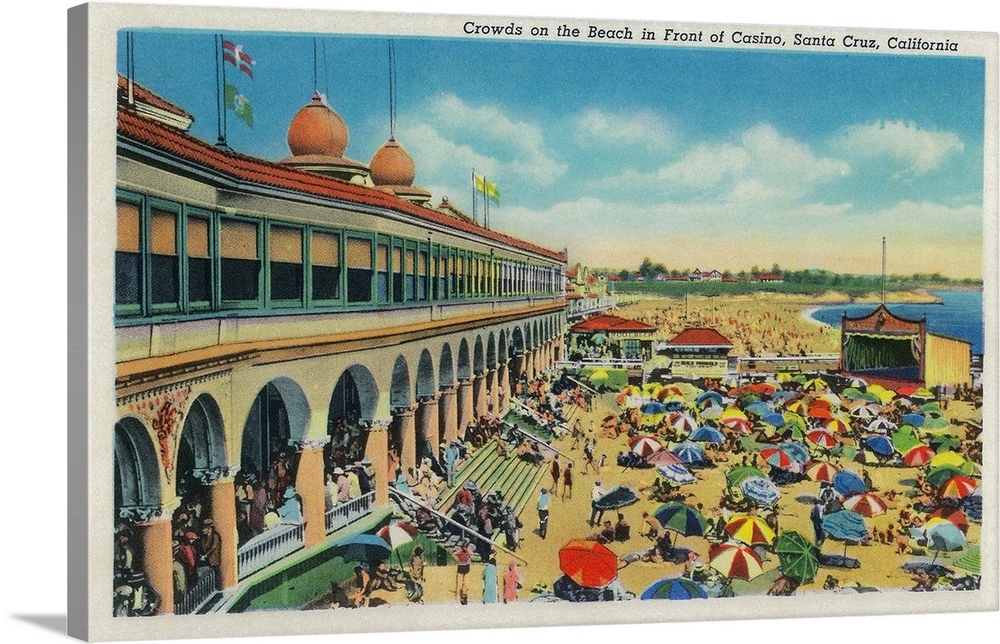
(487, 187)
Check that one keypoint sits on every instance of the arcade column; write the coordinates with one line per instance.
(529, 363)
(309, 486)
(377, 451)
(479, 398)
(503, 387)
(406, 428)
(427, 424)
(156, 537)
(493, 395)
(466, 411)
(448, 415)
(222, 499)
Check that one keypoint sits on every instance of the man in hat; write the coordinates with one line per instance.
(543, 513)
(364, 478)
(211, 544)
(596, 513)
(290, 510)
(343, 486)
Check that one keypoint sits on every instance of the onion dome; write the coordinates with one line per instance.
(391, 165)
(317, 130)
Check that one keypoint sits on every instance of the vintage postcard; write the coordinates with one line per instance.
(404, 322)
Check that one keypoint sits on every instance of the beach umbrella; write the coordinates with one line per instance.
(710, 397)
(668, 390)
(398, 533)
(820, 402)
(944, 535)
(866, 410)
(918, 456)
(847, 482)
(707, 434)
(734, 561)
(948, 458)
(954, 515)
(913, 419)
(796, 451)
(880, 445)
(689, 452)
(932, 424)
(674, 588)
(797, 407)
(820, 413)
(904, 439)
(362, 547)
(645, 446)
(932, 408)
(851, 393)
(759, 409)
(838, 425)
(732, 413)
(845, 525)
(881, 393)
(683, 423)
(815, 384)
(857, 382)
(751, 530)
(867, 504)
(881, 425)
(922, 394)
(663, 457)
(822, 471)
(944, 442)
(939, 475)
(653, 408)
(588, 563)
(821, 438)
(711, 412)
(652, 389)
(738, 474)
(832, 399)
(599, 377)
(760, 490)
(738, 423)
(773, 418)
(777, 457)
(957, 487)
(676, 473)
(681, 518)
(798, 558)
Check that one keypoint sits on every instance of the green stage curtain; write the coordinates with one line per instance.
(865, 352)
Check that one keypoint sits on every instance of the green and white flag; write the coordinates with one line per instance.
(239, 104)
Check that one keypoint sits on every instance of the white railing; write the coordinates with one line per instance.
(268, 547)
(203, 588)
(349, 511)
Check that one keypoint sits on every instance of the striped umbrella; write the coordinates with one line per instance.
(822, 471)
(676, 473)
(796, 451)
(689, 452)
(707, 434)
(881, 425)
(954, 515)
(777, 457)
(682, 423)
(838, 425)
(918, 456)
(797, 407)
(760, 490)
(674, 588)
(645, 446)
(957, 487)
(740, 473)
(867, 504)
(397, 533)
(663, 457)
(735, 561)
(681, 518)
(821, 438)
(751, 530)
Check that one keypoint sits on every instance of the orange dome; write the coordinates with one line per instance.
(317, 129)
(392, 166)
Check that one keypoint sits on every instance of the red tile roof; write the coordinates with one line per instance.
(258, 171)
(699, 338)
(142, 94)
(606, 323)
(881, 320)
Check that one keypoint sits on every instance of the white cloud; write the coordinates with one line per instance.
(453, 137)
(909, 147)
(643, 129)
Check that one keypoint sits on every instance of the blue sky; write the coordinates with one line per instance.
(694, 157)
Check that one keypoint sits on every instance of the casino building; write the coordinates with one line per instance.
(275, 321)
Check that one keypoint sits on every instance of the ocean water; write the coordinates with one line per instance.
(960, 315)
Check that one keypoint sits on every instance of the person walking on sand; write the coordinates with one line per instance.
(490, 581)
(596, 513)
(512, 581)
(463, 557)
(567, 479)
(555, 469)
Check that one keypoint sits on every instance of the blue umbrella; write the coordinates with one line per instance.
(845, 525)
(712, 395)
(674, 588)
(708, 434)
(681, 518)
(913, 419)
(760, 490)
(847, 482)
(689, 452)
(654, 408)
(795, 451)
(774, 419)
(945, 535)
(362, 547)
(676, 473)
(758, 408)
(674, 405)
(880, 445)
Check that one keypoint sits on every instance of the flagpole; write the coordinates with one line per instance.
(474, 196)
(218, 94)
(225, 119)
(486, 205)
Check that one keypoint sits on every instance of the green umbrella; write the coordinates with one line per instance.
(904, 439)
(798, 558)
(681, 518)
(939, 475)
(738, 474)
(934, 424)
(944, 442)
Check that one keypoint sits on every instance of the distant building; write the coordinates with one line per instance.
(610, 334)
(698, 353)
(768, 277)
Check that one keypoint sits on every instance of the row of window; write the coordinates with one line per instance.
(175, 259)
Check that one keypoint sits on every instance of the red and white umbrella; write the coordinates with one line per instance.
(867, 504)
(734, 561)
(822, 471)
(821, 438)
(397, 533)
(957, 487)
(918, 456)
(953, 515)
(682, 423)
(777, 457)
(645, 446)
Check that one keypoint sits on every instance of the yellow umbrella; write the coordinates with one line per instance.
(948, 458)
(652, 389)
(732, 413)
(751, 530)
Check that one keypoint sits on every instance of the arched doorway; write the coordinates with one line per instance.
(399, 401)
(352, 407)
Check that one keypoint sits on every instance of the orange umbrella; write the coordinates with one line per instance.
(588, 563)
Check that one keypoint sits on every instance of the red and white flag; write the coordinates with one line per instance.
(239, 58)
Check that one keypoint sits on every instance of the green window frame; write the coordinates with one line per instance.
(130, 274)
(286, 265)
(326, 267)
(240, 262)
(200, 244)
(360, 259)
(163, 255)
